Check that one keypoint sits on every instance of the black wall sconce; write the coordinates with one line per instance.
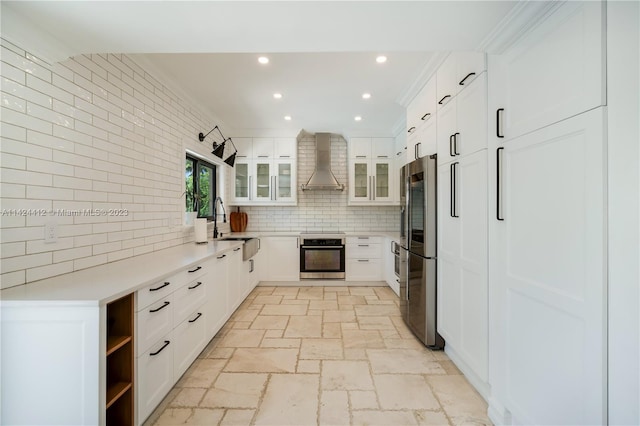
(218, 148)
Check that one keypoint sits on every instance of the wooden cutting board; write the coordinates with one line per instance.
(238, 221)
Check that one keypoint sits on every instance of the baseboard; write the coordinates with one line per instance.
(322, 283)
(497, 413)
(480, 385)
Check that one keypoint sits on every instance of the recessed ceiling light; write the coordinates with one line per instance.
(287, 117)
(277, 95)
(263, 60)
(357, 118)
(381, 59)
(366, 95)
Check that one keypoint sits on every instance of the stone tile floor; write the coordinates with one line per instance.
(320, 356)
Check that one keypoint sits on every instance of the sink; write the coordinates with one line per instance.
(249, 248)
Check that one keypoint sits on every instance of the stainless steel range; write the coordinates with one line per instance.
(322, 256)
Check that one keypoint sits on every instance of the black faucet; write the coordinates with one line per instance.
(215, 216)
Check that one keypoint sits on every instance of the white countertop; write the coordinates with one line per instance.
(101, 284)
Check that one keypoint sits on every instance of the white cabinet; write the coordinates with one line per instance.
(389, 258)
(548, 273)
(267, 174)
(363, 259)
(281, 258)
(421, 117)
(462, 122)
(244, 147)
(217, 288)
(554, 72)
(236, 280)
(462, 263)
(456, 73)
(372, 171)
(190, 337)
(155, 375)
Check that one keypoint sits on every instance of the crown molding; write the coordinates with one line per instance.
(428, 70)
(519, 21)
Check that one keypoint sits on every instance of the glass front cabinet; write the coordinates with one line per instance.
(371, 181)
(265, 182)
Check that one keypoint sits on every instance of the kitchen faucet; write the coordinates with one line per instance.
(215, 216)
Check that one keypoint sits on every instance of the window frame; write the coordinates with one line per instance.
(197, 163)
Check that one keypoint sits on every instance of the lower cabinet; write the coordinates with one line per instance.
(217, 308)
(155, 375)
(236, 280)
(363, 259)
(389, 259)
(190, 337)
(281, 257)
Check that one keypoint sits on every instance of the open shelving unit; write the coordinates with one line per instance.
(120, 357)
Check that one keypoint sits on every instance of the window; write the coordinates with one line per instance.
(200, 186)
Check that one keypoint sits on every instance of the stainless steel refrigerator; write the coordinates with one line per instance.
(418, 291)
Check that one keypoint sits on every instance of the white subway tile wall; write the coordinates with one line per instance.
(94, 132)
(323, 210)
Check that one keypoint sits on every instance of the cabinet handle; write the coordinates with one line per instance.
(373, 187)
(363, 260)
(451, 153)
(263, 156)
(166, 283)
(411, 129)
(166, 343)
(221, 257)
(383, 156)
(455, 144)
(464, 79)
(425, 116)
(250, 179)
(250, 265)
(499, 215)
(285, 156)
(455, 190)
(196, 318)
(363, 238)
(195, 270)
(398, 153)
(499, 122)
(298, 242)
(417, 149)
(442, 100)
(363, 245)
(195, 286)
(166, 303)
(237, 248)
(361, 156)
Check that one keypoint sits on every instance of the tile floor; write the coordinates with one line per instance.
(320, 356)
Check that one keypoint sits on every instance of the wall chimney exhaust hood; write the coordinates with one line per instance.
(322, 177)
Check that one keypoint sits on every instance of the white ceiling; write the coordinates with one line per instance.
(322, 52)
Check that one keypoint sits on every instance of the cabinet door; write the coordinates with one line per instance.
(153, 322)
(190, 339)
(381, 148)
(363, 270)
(283, 258)
(413, 114)
(263, 182)
(383, 180)
(446, 83)
(427, 138)
(471, 106)
(359, 181)
(155, 375)
(469, 67)
(244, 147)
(360, 148)
(446, 132)
(412, 151)
(553, 73)
(428, 102)
(235, 280)
(242, 181)
(217, 287)
(263, 148)
(285, 147)
(548, 274)
(285, 181)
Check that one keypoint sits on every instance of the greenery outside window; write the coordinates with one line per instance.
(200, 186)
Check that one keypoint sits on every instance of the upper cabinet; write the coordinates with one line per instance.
(423, 106)
(553, 73)
(265, 172)
(372, 172)
(457, 72)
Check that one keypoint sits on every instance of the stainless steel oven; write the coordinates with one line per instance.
(322, 257)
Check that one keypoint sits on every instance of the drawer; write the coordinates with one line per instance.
(190, 337)
(364, 240)
(154, 321)
(155, 375)
(160, 289)
(363, 250)
(363, 270)
(187, 298)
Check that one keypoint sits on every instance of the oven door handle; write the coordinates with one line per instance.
(315, 247)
